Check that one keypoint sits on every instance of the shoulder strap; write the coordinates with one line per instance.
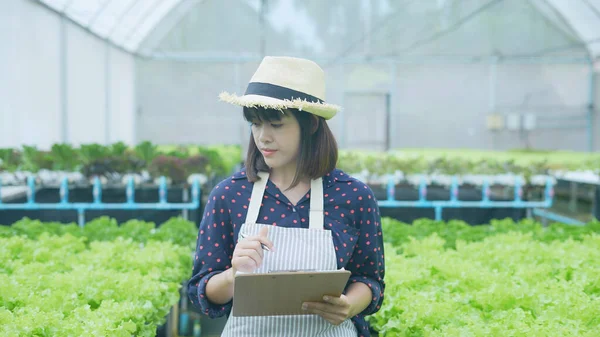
(315, 219)
(258, 190)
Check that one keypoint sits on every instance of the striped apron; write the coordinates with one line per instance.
(295, 249)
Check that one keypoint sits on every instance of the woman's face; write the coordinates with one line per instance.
(278, 141)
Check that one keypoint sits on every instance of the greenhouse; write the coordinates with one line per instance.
(471, 125)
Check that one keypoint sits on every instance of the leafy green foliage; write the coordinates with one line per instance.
(146, 151)
(398, 233)
(507, 284)
(461, 161)
(174, 162)
(90, 153)
(64, 157)
(118, 149)
(99, 280)
(33, 160)
(180, 152)
(9, 159)
(56, 286)
(169, 166)
(216, 163)
(231, 155)
(176, 230)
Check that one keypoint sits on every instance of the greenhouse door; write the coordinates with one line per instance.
(366, 118)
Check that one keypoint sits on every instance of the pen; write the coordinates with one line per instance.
(243, 236)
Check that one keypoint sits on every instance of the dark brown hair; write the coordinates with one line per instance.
(318, 147)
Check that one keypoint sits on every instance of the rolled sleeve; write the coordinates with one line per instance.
(208, 308)
(214, 248)
(367, 263)
(377, 290)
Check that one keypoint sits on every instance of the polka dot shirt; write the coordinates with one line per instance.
(350, 211)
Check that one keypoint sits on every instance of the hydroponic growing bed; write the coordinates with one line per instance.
(504, 279)
(99, 280)
(442, 278)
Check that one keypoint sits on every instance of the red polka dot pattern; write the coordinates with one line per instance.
(351, 213)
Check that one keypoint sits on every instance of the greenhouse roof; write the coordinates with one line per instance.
(127, 23)
(584, 18)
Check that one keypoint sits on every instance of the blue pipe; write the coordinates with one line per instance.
(103, 206)
(97, 204)
(453, 202)
(485, 192)
(97, 191)
(391, 188)
(454, 190)
(518, 191)
(422, 190)
(162, 190)
(557, 217)
(130, 191)
(438, 214)
(64, 191)
(591, 103)
(465, 204)
(30, 190)
(200, 57)
(561, 127)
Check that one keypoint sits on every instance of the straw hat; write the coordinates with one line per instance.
(286, 82)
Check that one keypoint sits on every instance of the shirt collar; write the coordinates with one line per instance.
(239, 175)
(328, 180)
(334, 176)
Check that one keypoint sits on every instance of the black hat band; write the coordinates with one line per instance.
(275, 91)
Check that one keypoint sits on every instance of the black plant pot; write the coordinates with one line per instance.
(109, 195)
(471, 215)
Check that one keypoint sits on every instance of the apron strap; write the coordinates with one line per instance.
(315, 220)
(258, 190)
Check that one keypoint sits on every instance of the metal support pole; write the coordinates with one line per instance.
(107, 78)
(173, 322)
(263, 29)
(544, 221)
(80, 217)
(493, 83)
(343, 112)
(528, 213)
(492, 87)
(392, 104)
(573, 196)
(238, 88)
(388, 122)
(186, 198)
(367, 28)
(438, 213)
(63, 66)
(237, 77)
(590, 110)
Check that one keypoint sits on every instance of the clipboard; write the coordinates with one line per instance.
(282, 293)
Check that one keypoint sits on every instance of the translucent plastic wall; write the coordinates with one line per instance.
(58, 83)
(408, 73)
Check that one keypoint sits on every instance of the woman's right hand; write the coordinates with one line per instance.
(248, 253)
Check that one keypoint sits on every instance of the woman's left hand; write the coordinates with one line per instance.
(334, 309)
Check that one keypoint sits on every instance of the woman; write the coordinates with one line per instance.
(290, 209)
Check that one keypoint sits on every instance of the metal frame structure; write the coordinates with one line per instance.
(97, 204)
(587, 113)
(137, 18)
(129, 25)
(386, 95)
(453, 202)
